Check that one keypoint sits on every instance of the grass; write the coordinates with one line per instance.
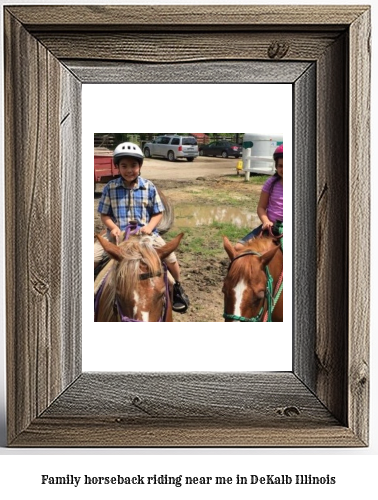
(207, 241)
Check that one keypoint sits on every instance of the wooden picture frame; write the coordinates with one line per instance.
(324, 52)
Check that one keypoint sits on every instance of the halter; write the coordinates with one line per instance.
(131, 229)
(271, 300)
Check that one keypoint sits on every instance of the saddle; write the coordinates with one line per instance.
(101, 265)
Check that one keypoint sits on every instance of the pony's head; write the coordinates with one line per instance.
(245, 286)
(136, 288)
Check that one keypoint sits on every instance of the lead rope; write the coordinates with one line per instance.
(131, 228)
(274, 299)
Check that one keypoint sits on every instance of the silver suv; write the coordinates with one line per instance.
(172, 147)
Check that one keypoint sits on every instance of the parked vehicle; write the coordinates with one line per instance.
(221, 148)
(104, 168)
(172, 147)
(258, 152)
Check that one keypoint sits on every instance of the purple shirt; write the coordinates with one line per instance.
(274, 209)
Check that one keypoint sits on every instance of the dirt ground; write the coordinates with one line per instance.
(202, 278)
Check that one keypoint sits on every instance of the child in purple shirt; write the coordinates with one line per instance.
(270, 207)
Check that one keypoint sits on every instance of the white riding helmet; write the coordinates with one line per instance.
(128, 149)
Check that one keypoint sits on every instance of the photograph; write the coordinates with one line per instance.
(230, 206)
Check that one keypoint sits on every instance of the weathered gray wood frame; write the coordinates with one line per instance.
(324, 53)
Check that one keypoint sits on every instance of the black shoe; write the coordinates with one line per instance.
(180, 299)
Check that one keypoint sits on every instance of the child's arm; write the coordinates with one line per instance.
(113, 228)
(261, 210)
(154, 221)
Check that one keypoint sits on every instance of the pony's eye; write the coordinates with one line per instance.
(258, 297)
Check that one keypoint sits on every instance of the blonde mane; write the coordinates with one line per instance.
(124, 275)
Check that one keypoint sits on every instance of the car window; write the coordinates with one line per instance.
(175, 141)
(189, 141)
(165, 140)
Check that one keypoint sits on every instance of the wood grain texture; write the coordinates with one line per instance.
(100, 432)
(332, 230)
(183, 47)
(149, 17)
(324, 402)
(192, 396)
(71, 231)
(199, 72)
(196, 409)
(38, 246)
(32, 191)
(304, 224)
(359, 240)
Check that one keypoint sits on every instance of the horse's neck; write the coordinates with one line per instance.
(276, 265)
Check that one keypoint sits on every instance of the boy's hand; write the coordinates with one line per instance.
(145, 230)
(115, 232)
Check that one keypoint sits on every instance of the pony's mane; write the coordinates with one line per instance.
(124, 275)
(260, 245)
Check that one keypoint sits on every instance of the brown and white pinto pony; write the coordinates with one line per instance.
(245, 286)
(134, 284)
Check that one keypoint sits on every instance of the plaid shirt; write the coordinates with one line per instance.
(123, 204)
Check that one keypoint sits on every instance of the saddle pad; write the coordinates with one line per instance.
(101, 276)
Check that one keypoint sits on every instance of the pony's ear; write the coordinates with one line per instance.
(268, 256)
(170, 247)
(231, 252)
(114, 251)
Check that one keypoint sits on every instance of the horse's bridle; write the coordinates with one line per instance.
(268, 294)
(131, 229)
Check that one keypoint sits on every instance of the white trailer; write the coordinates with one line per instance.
(258, 152)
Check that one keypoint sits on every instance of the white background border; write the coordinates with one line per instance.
(355, 476)
(187, 346)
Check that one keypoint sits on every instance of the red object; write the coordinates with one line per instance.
(202, 138)
(104, 168)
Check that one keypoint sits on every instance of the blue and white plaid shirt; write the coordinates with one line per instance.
(123, 204)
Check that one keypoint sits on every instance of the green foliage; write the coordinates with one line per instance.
(111, 139)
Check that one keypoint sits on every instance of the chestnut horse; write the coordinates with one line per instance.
(134, 284)
(253, 286)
